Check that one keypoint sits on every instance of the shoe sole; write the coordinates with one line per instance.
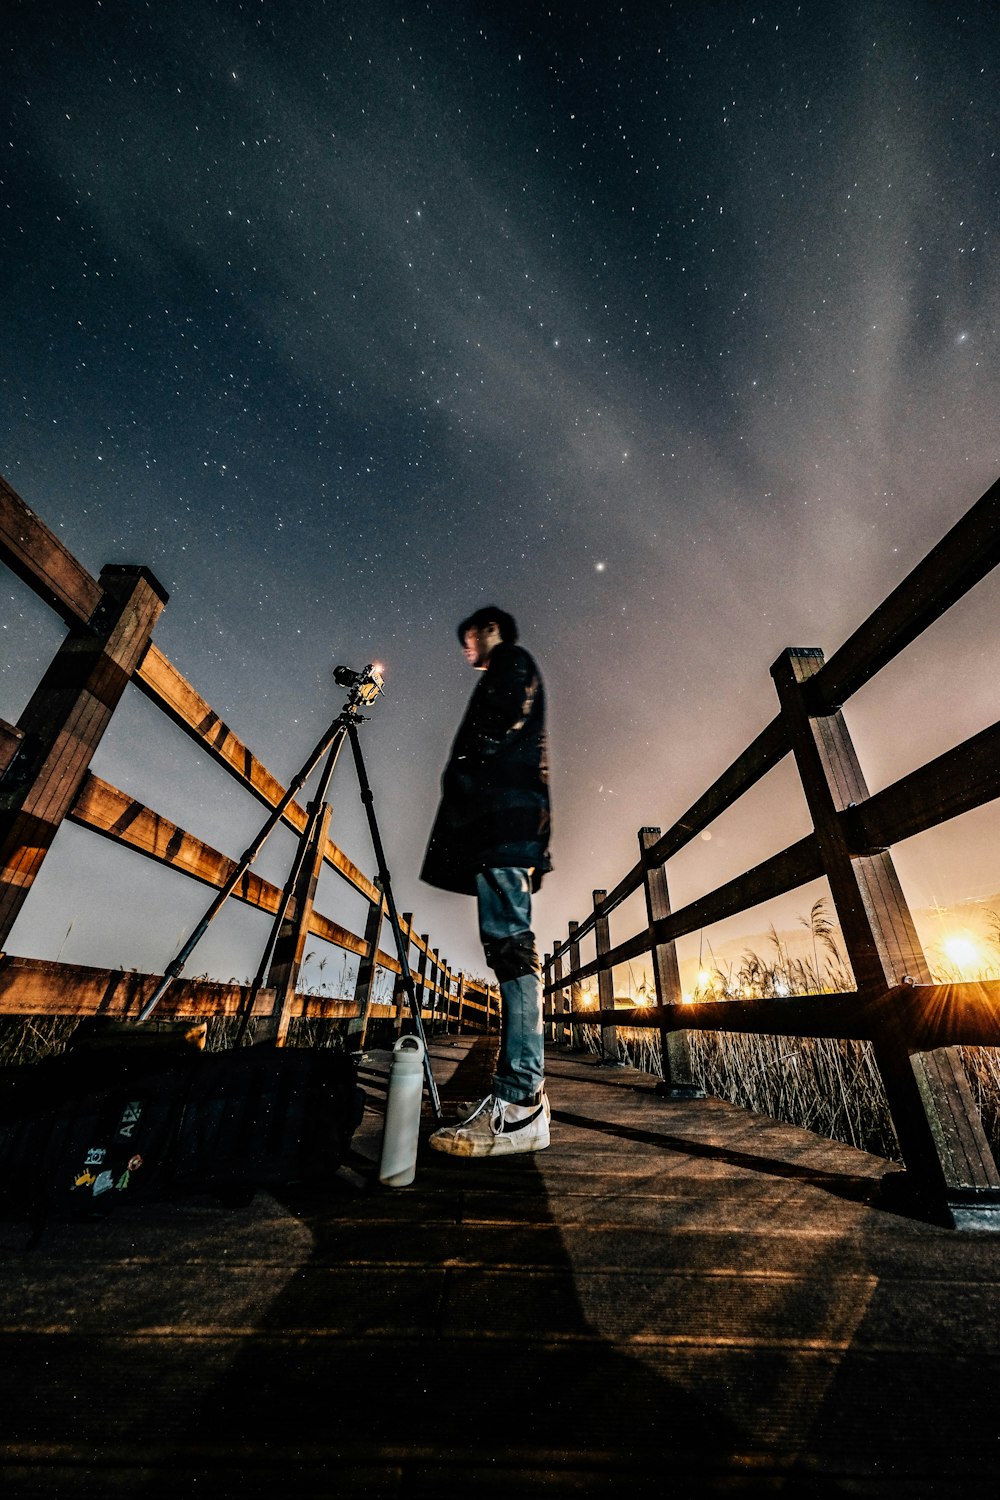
(500, 1145)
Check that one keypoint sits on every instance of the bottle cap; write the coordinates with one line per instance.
(408, 1054)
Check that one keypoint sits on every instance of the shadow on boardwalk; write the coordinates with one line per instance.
(456, 1364)
(673, 1299)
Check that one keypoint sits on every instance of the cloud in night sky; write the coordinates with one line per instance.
(673, 329)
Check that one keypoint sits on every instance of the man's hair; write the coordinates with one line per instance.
(490, 615)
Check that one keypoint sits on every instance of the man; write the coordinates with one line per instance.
(490, 840)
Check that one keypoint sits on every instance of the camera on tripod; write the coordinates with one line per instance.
(365, 686)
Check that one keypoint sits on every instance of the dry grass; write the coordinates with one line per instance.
(27, 1039)
(830, 1087)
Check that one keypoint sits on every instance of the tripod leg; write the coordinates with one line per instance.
(176, 965)
(368, 798)
(306, 842)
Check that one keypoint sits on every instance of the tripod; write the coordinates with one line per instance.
(364, 689)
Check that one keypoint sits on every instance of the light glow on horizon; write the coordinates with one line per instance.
(962, 950)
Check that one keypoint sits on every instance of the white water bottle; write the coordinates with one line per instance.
(398, 1166)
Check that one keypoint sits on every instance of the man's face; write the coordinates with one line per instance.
(479, 643)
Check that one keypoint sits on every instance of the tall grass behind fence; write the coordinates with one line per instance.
(832, 1087)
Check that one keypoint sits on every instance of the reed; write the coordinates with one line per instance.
(28, 1039)
(827, 1086)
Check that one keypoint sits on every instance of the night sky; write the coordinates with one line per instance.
(672, 329)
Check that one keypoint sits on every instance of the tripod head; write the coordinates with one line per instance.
(365, 686)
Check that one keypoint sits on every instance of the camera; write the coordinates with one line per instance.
(365, 686)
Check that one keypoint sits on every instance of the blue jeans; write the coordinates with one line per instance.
(504, 898)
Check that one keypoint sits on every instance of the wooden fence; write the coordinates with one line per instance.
(913, 1024)
(45, 777)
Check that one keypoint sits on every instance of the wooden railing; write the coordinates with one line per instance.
(45, 778)
(913, 1024)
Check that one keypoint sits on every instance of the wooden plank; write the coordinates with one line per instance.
(675, 1051)
(969, 551)
(782, 872)
(602, 936)
(895, 813)
(64, 723)
(938, 1126)
(785, 871)
(40, 987)
(760, 756)
(33, 986)
(847, 1016)
(38, 557)
(42, 561)
(434, 969)
(35, 554)
(446, 994)
(765, 1324)
(963, 778)
(399, 993)
(387, 961)
(169, 690)
(125, 820)
(560, 996)
(576, 988)
(420, 980)
(963, 557)
(927, 1017)
(10, 739)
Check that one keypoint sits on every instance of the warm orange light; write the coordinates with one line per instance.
(963, 951)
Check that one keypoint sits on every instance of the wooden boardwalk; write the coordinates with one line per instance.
(675, 1298)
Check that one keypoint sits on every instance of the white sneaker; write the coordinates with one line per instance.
(463, 1108)
(496, 1128)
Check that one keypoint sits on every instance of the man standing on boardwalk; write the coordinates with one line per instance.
(490, 840)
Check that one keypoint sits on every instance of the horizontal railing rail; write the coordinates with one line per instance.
(912, 1022)
(47, 567)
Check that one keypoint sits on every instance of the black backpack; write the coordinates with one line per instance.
(115, 1118)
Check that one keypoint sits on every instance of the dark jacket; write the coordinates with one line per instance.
(494, 809)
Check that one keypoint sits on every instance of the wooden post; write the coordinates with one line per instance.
(357, 1027)
(401, 1001)
(446, 983)
(560, 999)
(421, 980)
(606, 988)
(938, 1126)
(10, 739)
(436, 997)
(63, 723)
(283, 975)
(461, 998)
(445, 994)
(576, 988)
(546, 974)
(675, 1048)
